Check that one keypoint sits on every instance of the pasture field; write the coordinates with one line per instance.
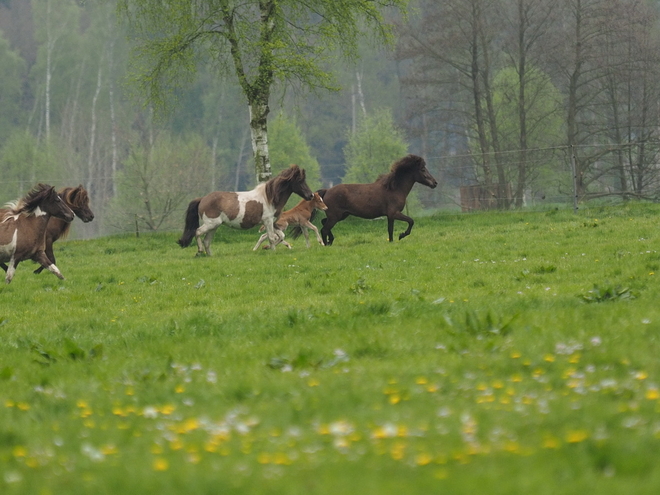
(490, 353)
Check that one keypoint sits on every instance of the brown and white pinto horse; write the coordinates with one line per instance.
(243, 210)
(23, 227)
(77, 199)
(299, 217)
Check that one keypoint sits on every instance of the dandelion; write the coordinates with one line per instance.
(641, 375)
(653, 394)
(549, 358)
(109, 449)
(180, 389)
(160, 464)
(423, 459)
(551, 442)
(19, 451)
(575, 358)
(576, 436)
(313, 382)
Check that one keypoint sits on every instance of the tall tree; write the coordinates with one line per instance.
(260, 41)
(372, 148)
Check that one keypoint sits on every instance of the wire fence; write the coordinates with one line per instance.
(528, 180)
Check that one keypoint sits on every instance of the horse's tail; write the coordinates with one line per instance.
(192, 223)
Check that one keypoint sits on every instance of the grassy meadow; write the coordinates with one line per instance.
(496, 353)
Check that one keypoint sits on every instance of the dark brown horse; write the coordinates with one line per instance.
(77, 199)
(23, 228)
(243, 210)
(385, 197)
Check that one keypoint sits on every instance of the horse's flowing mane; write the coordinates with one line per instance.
(30, 201)
(275, 187)
(75, 198)
(399, 169)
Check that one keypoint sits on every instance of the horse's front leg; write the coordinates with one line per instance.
(310, 225)
(49, 253)
(275, 236)
(41, 258)
(260, 241)
(3, 266)
(11, 269)
(404, 218)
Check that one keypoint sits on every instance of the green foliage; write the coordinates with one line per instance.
(11, 76)
(608, 293)
(157, 182)
(376, 144)
(543, 116)
(24, 161)
(287, 146)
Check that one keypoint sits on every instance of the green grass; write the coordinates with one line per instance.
(497, 352)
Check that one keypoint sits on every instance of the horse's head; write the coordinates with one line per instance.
(317, 202)
(296, 178)
(78, 200)
(55, 206)
(422, 174)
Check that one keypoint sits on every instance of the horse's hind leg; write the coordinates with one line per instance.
(41, 258)
(4, 267)
(326, 232)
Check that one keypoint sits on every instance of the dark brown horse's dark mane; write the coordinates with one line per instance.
(275, 187)
(76, 198)
(31, 200)
(399, 169)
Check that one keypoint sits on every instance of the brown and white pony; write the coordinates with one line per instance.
(298, 216)
(77, 199)
(23, 227)
(385, 197)
(243, 210)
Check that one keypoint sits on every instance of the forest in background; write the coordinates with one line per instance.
(531, 101)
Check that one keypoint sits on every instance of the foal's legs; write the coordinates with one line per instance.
(310, 225)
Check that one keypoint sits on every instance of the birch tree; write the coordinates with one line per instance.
(260, 42)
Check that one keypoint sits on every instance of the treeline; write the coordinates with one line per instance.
(508, 94)
(497, 80)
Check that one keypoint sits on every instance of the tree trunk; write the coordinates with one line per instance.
(259, 131)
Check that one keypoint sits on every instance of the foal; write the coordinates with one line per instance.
(300, 216)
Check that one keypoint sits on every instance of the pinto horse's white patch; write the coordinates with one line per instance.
(8, 250)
